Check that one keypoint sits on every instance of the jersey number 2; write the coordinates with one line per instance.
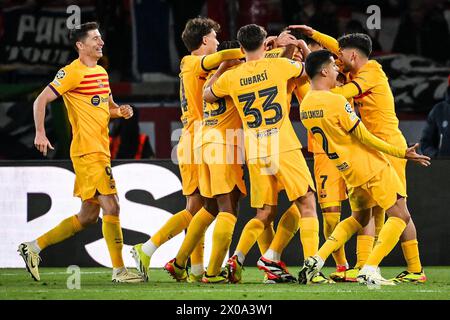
(332, 155)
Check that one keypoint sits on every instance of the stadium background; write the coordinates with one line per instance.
(142, 51)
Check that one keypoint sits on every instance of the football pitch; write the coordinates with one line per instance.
(95, 283)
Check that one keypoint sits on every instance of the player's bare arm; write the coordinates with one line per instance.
(324, 40)
(306, 30)
(365, 137)
(122, 111)
(40, 141)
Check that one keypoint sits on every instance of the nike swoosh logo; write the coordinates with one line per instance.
(32, 264)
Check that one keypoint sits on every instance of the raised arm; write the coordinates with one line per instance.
(324, 40)
(212, 61)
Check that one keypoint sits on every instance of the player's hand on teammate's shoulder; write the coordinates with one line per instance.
(41, 143)
(412, 155)
(225, 65)
(126, 111)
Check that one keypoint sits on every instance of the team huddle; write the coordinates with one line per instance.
(235, 102)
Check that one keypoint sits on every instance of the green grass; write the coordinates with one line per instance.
(96, 284)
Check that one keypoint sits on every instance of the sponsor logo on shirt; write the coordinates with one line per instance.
(95, 100)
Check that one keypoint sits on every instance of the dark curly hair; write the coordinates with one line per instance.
(360, 41)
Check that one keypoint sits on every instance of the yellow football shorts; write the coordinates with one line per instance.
(188, 166)
(382, 190)
(93, 175)
(330, 184)
(399, 165)
(221, 169)
(285, 171)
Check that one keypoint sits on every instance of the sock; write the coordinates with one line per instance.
(177, 223)
(34, 246)
(387, 240)
(223, 232)
(286, 229)
(65, 229)
(252, 230)
(309, 236)
(343, 231)
(411, 253)
(266, 238)
(379, 215)
(149, 248)
(197, 269)
(112, 232)
(364, 246)
(240, 257)
(330, 221)
(272, 255)
(195, 239)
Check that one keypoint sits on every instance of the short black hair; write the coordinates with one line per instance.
(251, 37)
(316, 61)
(78, 33)
(195, 30)
(228, 44)
(360, 41)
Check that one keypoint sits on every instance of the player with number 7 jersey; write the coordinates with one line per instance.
(258, 88)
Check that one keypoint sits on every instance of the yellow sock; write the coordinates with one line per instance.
(112, 232)
(309, 236)
(65, 229)
(223, 232)
(411, 252)
(343, 231)
(195, 232)
(364, 246)
(387, 240)
(266, 238)
(252, 230)
(330, 221)
(177, 223)
(287, 227)
(197, 257)
(379, 215)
